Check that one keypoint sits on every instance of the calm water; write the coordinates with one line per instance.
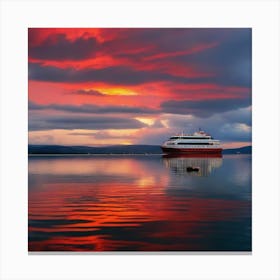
(139, 203)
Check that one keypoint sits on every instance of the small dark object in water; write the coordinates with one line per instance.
(190, 169)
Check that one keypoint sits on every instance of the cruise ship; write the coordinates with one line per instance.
(199, 143)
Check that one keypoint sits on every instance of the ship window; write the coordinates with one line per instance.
(182, 143)
(194, 138)
(190, 138)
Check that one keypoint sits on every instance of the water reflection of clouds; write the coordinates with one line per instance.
(82, 166)
(106, 165)
(134, 203)
(139, 171)
(242, 173)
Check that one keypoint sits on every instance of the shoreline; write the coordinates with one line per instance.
(94, 155)
(113, 154)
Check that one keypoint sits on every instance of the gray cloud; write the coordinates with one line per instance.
(226, 126)
(203, 108)
(113, 75)
(57, 47)
(100, 135)
(82, 122)
(35, 106)
(230, 61)
(93, 109)
(242, 115)
(88, 92)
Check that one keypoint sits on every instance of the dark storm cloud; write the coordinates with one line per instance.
(82, 122)
(203, 108)
(242, 115)
(230, 60)
(113, 75)
(121, 75)
(226, 132)
(57, 47)
(225, 53)
(48, 73)
(93, 109)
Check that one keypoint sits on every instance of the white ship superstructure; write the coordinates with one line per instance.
(197, 143)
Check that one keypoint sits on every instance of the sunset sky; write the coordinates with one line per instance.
(107, 86)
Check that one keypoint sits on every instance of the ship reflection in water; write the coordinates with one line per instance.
(192, 166)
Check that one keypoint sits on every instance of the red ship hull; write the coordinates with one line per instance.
(193, 152)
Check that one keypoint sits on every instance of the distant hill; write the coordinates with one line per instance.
(243, 150)
(119, 149)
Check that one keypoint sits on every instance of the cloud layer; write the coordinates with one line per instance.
(142, 82)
